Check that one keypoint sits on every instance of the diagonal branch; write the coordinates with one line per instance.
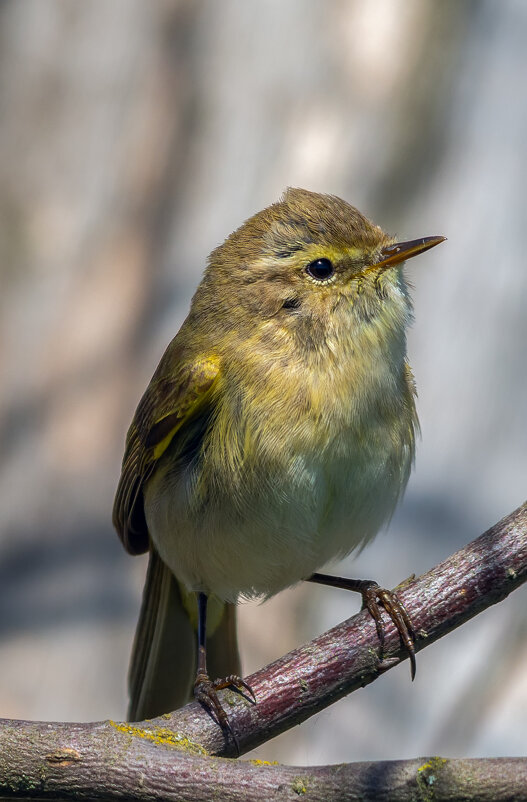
(346, 657)
(150, 759)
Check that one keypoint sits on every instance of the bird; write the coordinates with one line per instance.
(277, 434)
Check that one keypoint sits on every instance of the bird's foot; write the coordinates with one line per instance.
(373, 596)
(205, 692)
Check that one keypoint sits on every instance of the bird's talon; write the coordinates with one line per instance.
(373, 596)
(234, 681)
(205, 692)
(249, 691)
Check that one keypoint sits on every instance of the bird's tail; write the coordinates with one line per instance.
(164, 654)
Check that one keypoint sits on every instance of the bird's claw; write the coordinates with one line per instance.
(372, 595)
(205, 692)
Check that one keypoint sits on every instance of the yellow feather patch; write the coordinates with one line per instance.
(164, 444)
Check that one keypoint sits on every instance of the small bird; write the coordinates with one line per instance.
(276, 434)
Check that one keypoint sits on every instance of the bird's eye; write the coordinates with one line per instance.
(320, 269)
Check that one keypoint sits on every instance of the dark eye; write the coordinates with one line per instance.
(321, 269)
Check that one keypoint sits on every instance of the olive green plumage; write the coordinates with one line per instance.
(278, 430)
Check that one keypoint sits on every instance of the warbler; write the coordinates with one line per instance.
(276, 434)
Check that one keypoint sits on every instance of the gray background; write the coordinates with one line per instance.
(134, 136)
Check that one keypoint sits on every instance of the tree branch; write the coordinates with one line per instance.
(346, 657)
(151, 773)
(164, 757)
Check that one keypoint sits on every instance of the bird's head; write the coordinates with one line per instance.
(311, 265)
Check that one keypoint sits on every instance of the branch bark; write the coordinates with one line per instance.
(346, 657)
(167, 757)
(151, 773)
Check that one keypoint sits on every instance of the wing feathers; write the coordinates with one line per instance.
(168, 405)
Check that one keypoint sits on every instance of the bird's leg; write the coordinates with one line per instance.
(372, 594)
(205, 689)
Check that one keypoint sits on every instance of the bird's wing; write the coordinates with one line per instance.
(173, 399)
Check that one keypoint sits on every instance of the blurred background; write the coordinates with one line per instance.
(133, 137)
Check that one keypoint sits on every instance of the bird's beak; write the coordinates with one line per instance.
(399, 252)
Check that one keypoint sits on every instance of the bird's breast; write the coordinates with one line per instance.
(295, 470)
